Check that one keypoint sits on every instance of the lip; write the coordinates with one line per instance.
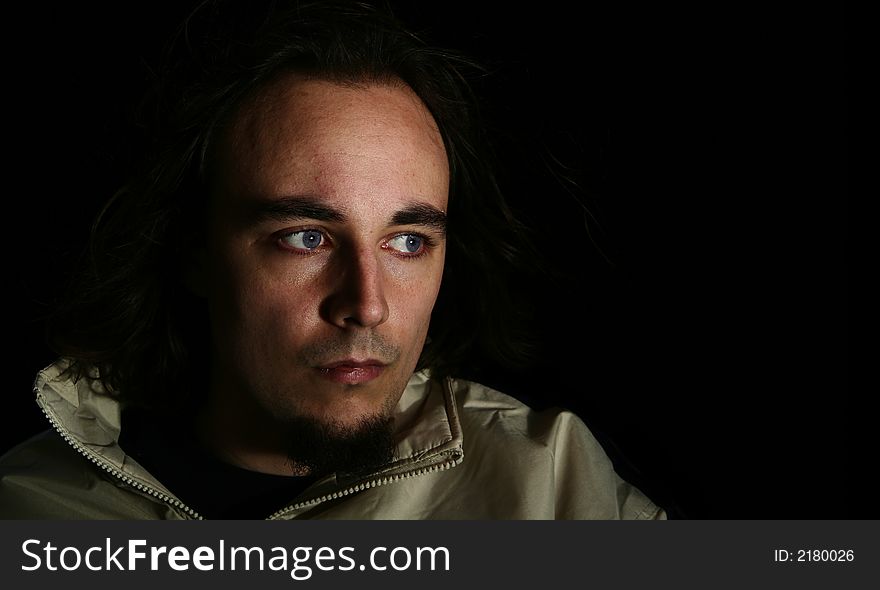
(351, 371)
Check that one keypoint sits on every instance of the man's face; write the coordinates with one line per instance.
(325, 249)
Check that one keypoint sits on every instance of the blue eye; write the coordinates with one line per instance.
(407, 243)
(304, 240)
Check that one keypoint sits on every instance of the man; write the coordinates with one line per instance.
(275, 310)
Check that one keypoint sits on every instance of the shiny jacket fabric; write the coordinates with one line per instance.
(465, 452)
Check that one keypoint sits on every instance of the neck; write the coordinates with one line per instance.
(243, 436)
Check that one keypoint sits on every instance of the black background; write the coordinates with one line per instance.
(700, 329)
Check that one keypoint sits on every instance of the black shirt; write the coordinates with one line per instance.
(171, 452)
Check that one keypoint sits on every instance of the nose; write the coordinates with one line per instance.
(357, 298)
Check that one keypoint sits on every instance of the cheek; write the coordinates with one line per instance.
(256, 297)
(415, 300)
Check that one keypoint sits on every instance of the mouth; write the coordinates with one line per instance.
(351, 371)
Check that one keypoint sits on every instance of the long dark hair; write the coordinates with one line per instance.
(127, 312)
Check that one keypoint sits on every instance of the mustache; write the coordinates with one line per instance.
(363, 345)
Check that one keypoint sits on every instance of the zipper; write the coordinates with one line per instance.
(449, 463)
(173, 502)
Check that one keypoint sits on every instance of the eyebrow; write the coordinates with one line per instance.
(289, 208)
(307, 207)
(421, 214)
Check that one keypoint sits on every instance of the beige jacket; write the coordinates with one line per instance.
(464, 452)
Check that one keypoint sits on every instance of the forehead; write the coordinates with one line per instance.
(301, 136)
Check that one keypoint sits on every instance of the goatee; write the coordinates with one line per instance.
(323, 448)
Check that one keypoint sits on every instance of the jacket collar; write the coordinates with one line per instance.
(427, 428)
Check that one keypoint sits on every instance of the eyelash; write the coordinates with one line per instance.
(427, 243)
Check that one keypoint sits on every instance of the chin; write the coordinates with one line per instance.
(320, 447)
(336, 407)
(342, 416)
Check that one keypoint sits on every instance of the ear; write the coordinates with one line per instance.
(194, 270)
